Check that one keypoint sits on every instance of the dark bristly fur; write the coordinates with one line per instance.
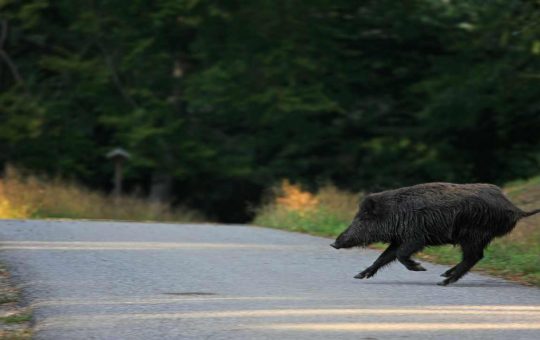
(431, 214)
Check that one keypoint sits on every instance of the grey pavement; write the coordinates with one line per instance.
(108, 280)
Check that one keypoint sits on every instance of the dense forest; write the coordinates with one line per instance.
(219, 100)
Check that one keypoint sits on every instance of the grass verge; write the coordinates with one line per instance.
(14, 319)
(329, 211)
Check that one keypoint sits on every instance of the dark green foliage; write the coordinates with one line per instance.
(225, 98)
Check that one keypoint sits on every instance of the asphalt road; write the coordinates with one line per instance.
(102, 280)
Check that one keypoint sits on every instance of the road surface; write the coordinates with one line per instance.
(106, 280)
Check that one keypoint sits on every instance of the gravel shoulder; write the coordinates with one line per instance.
(14, 318)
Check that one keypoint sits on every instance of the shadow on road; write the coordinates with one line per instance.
(456, 285)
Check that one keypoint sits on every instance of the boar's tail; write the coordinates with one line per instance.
(530, 213)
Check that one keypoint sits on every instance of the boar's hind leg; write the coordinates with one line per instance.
(449, 272)
(406, 250)
(472, 253)
(385, 258)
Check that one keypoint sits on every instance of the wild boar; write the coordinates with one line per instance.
(431, 214)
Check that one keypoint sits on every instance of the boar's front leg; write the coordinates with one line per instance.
(385, 258)
(408, 249)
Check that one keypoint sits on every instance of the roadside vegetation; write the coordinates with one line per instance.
(330, 210)
(14, 319)
(33, 197)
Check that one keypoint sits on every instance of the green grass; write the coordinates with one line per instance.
(319, 222)
(16, 318)
(7, 297)
(516, 261)
(515, 256)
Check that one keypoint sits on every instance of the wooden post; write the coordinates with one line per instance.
(117, 191)
(118, 156)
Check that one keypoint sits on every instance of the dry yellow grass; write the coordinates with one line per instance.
(322, 213)
(31, 197)
(292, 197)
(342, 203)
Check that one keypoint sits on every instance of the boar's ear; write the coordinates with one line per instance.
(370, 206)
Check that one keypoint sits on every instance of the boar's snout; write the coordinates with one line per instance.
(344, 240)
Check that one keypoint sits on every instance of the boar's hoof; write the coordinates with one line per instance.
(417, 268)
(443, 282)
(446, 274)
(366, 274)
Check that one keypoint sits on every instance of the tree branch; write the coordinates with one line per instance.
(5, 56)
(116, 78)
(12, 67)
(3, 35)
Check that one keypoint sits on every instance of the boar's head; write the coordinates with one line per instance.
(365, 227)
